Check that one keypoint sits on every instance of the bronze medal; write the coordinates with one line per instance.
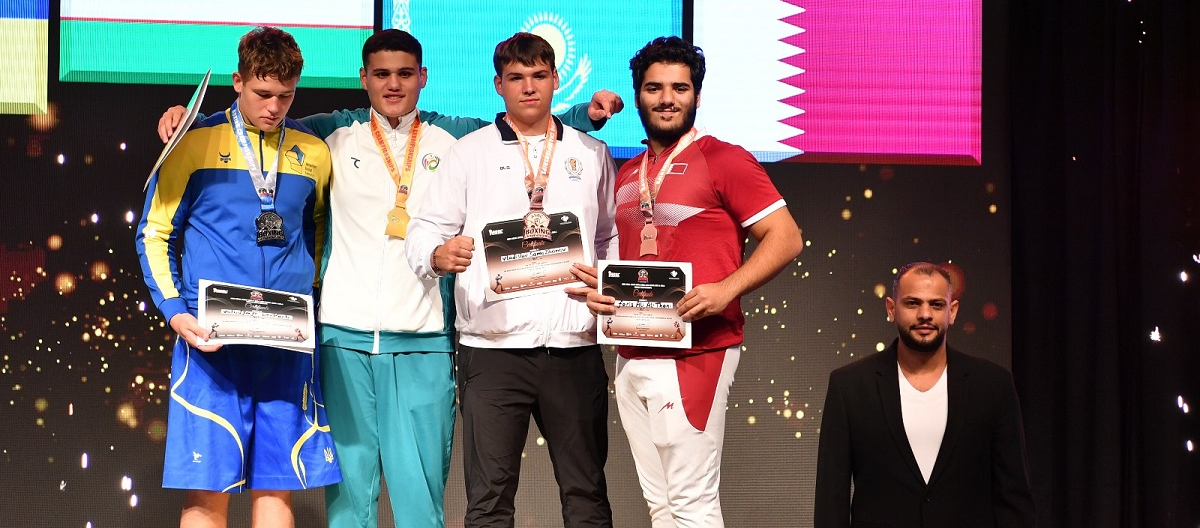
(649, 240)
(537, 222)
(537, 228)
(648, 191)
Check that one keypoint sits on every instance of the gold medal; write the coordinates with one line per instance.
(397, 218)
(397, 224)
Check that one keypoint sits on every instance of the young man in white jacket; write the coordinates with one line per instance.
(532, 355)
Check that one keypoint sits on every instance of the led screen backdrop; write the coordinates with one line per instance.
(23, 57)
(884, 81)
(591, 47)
(157, 42)
(85, 358)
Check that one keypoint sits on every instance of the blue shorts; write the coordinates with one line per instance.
(247, 417)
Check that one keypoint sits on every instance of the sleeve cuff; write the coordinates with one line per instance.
(779, 204)
(172, 307)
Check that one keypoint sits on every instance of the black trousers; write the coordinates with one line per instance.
(565, 390)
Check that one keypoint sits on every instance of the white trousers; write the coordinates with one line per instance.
(673, 411)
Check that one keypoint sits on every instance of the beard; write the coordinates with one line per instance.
(666, 135)
(925, 347)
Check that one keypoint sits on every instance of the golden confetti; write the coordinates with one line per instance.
(65, 283)
(127, 415)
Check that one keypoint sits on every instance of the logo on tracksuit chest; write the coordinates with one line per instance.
(574, 168)
(431, 162)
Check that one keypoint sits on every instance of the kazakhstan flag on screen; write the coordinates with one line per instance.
(593, 42)
(23, 56)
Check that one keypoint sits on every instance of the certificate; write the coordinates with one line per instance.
(516, 269)
(193, 109)
(647, 294)
(236, 314)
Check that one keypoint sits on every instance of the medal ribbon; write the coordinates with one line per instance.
(403, 178)
(263, 185)
(536, 183)
(649, 193)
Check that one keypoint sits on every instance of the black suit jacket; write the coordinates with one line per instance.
(979, 478)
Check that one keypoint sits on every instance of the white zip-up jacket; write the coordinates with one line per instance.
(482, 180)
(370, 301)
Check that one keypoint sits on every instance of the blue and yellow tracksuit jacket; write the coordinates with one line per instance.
(198, 219)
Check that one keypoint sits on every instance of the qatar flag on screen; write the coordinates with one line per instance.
(883, 81)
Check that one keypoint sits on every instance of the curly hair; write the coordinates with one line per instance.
(269, 52)
(670, 50)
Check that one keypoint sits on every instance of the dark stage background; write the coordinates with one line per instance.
(1105, 106)
(1071, 238)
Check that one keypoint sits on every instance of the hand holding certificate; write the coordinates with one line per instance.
(236, 314)
(647, 296)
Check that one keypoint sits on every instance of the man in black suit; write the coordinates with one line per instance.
(929, 436)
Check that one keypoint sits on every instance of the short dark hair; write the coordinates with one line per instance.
(392, 40)
(922, 268)
(670, 50)
(525, 48)
(269, 52)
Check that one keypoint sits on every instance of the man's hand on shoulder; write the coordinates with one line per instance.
(604, 105)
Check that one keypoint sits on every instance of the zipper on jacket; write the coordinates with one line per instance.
(378, 296)
(379, 278)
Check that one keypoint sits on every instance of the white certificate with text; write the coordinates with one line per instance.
(237, 314)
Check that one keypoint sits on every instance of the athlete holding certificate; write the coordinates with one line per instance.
(647, 295)
(241, 200)
(535, 354)
(689, 198)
